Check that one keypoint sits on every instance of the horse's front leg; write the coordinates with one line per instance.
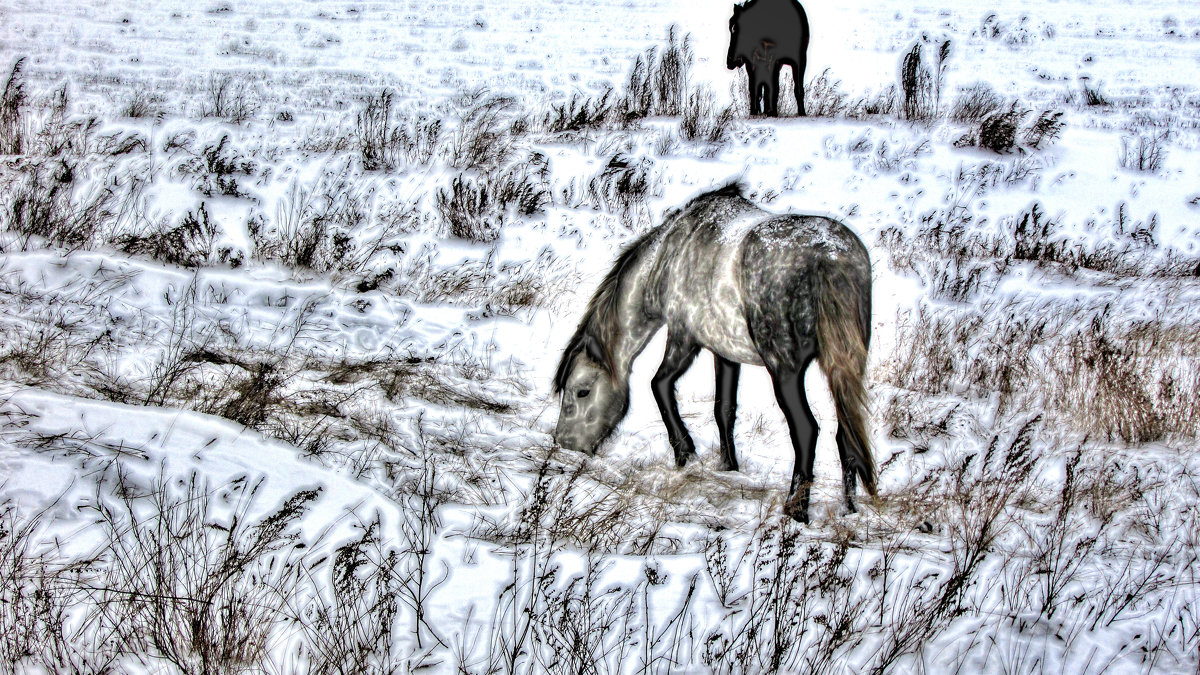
(755, 90)
(789, 391)
(678, 357)
(772, 94)
(727, 382)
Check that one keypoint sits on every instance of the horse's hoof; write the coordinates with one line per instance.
(850, 507)
(683, 459)
(796, 512)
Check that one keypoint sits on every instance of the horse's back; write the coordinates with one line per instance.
(742, 281)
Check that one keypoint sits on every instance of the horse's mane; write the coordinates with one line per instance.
(598, 330)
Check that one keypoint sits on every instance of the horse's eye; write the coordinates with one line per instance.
(583, 393)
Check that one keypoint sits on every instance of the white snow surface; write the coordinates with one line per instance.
(316, 61)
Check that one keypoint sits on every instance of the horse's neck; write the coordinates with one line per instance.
(633, 316)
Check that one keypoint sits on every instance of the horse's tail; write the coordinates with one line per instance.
(843, 333)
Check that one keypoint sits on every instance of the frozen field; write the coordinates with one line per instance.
(283, 287)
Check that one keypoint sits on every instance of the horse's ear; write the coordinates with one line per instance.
(565, 364)
(585, 344)
(595, 350)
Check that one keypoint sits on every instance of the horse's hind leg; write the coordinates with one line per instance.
(789, 391)
(798, 85)
(727, 381)
(678, 357)
(849, 475)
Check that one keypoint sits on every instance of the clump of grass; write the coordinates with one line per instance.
(1045, 130)
(188, 583)
(486, 135)
(702, 122)
(1143, 152)
(477, 210)
(191, 243)
(227, 101)
(1092, 96)
(384, 145)
(823, 96)
(658, 82)
(352, 631)
(12, 128)
(38, 590)
(142, 104)
(49, 200)
(975, 103)
(580, 113)
(922, 74)
(621, 188)
(216, 169)
(315, 225)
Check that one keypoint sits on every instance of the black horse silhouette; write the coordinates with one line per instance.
(751, 287)
(765, 36)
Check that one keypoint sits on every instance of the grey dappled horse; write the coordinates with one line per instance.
(751, 287)
(766, 35)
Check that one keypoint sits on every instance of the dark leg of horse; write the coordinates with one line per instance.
(727, 381)
(772, 83)
(849, 475)
(755, 85)
(798, 79)
(676, 361)
(789, 391)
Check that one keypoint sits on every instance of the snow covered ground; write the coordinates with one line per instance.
(283, 287)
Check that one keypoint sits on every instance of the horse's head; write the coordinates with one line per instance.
(593, 401)
(735, 58)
